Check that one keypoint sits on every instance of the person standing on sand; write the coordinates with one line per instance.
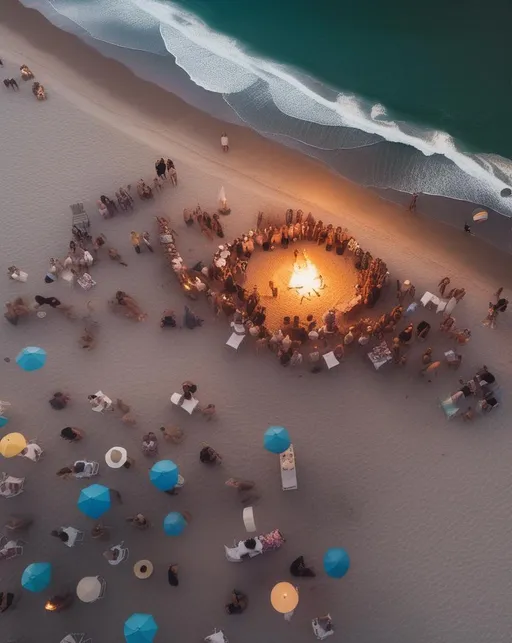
(412, 204)
(224, 142)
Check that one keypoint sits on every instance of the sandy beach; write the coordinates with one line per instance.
(420, 503)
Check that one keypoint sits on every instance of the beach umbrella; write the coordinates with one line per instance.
(480, 215)
(140, 628)
(116, 457)
(12, 444)
(36, 577)
(164, 475)
(31, 358)
(94, 500)
(174, 523)
(284, 597)
(276, 439)
(3, 421)
(336, 562)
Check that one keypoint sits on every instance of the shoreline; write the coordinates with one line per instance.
(33, 26)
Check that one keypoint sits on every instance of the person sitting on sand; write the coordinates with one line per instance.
(298, 568)
(406, 335)
(132, 308)
(172, 434)
(70, 434)
(244, 487)
(447, 324)
(168, 319)
(191, 320)
(15, 310)
(149, 445)
(238, 603)
(139, 521)
(143, 190)
(59, 401)
(208, 455)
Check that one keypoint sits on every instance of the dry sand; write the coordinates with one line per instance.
(421, 504)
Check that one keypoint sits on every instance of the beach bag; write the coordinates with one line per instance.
(340, 250)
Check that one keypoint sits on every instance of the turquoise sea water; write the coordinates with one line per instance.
(440, 63)
(401, 96)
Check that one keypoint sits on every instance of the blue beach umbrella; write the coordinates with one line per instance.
(140, 628)
(276, 439)
(94, 500)
(164, 475)
(174, 523)
(36, 577)
(336, 562)
(3, 421)
(31, 358)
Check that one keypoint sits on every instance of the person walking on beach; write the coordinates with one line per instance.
(412, 204)
(135, 239)
(172, 575)
(224, 142)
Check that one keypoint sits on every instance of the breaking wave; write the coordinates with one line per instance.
(290, 106)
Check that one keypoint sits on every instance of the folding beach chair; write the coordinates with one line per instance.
(187, 405)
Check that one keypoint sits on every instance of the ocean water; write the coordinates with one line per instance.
(391, 95)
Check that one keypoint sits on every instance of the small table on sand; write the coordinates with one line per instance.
(143, 569)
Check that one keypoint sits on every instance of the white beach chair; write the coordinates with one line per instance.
(75, 536)
(217, 637)
(322, 627)
(76, 637)
(248, 518)
(235, 340)
(187, 405)
(288, 469)
(330, 360)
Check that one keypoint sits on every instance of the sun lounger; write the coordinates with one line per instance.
(330, 360)
(186, 405)
(235, 340)
(288, 469)
(248, 518)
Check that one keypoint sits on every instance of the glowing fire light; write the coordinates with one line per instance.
(305, 278)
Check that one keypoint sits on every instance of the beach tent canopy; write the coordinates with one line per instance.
(164, 475)
(336, 562)
(140, 628)
(37, 577)
(31, 358)
(276, 439)
(174, 523)
(94, 500)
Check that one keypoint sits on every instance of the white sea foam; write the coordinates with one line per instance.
(219, 64)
